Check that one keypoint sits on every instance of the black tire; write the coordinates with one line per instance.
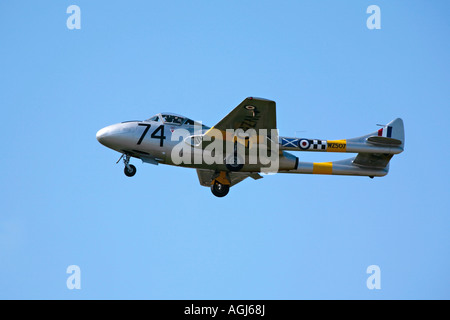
(220, 190)
(131, 171)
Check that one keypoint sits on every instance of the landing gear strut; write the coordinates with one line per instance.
(129, 169)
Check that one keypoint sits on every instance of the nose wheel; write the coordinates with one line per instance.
(129, 169)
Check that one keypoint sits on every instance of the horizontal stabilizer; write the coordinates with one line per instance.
(384, 141)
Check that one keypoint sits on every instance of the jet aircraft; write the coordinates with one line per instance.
(245, 143)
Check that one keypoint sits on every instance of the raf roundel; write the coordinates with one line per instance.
(303, 144)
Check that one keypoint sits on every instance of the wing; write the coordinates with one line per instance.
(252, 113)
(206, 176)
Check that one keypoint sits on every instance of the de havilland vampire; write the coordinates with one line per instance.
(244, 144)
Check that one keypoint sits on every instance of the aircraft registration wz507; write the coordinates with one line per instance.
(244, 144)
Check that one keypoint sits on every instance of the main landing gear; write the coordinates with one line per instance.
(219, 190)
(220, 186)
(129, 169)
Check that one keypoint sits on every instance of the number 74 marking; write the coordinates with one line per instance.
(153, 135)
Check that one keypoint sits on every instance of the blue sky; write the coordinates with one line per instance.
(160, 235)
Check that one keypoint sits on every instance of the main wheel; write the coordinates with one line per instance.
(130, 170)
(220, 190)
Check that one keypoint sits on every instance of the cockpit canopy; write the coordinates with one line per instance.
(175, 119)
(172, 119)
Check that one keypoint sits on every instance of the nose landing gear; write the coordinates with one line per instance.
(220, 185)
(129, 169)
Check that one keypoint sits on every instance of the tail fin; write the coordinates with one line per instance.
(392, 134)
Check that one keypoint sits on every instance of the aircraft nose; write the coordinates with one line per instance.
(102, 135)
(117, 135)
